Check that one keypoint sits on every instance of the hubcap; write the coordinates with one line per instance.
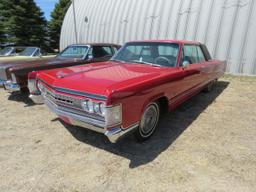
(149, 120)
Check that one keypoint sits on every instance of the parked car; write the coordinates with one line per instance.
(129, 92)
(9, 53)
(14, 74)
(29, 53)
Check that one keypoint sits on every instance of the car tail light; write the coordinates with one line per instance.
(32, 83)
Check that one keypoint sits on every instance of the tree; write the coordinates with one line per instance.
(23, 23)
(1, 32)
(57, 17)
(7, 10)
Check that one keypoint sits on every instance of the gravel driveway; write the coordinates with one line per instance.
(207, 144)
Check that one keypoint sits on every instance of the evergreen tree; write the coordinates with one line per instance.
(7, 10)
(23, 23)
(57, 17)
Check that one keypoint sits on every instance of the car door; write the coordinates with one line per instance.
(195, 63)
(204, 65)
(209, 67)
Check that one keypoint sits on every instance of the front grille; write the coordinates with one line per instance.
(3, 75)
(68, 104)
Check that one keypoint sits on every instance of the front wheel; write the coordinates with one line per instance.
(148, 123)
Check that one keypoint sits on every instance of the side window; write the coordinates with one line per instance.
(108, 50)
(201, 57)
(190, 54)
(101, 51)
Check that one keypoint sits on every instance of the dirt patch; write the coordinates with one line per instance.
(207, 144)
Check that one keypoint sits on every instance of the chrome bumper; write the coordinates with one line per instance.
(37, 99)
(77, 120)
(10, 86)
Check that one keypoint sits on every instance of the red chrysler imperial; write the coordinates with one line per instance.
(129, 92)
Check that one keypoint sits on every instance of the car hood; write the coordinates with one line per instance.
(13, 58)
(32, 62)
(103, 78)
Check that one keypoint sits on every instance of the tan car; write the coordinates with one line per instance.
(20, 53)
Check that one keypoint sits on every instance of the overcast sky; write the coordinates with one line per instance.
(47, 6)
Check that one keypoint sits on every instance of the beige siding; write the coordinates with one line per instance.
(227, 27)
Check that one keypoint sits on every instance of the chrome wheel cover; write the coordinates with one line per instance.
(149, 120)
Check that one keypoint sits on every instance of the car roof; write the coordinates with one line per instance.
(21, 47)
(169, 41)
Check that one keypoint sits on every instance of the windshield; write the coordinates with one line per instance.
(74, 52)
(5, 51)
(151, 53)
(28, 51)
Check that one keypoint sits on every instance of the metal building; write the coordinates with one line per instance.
(227, 27)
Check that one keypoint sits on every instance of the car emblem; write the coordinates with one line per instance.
(60, 75)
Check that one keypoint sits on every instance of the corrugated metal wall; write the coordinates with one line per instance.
(227, 27)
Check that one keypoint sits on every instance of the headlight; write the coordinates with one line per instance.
(94, 107)
(102, 109)
(90, 106)
(85, 106)
(113, 114)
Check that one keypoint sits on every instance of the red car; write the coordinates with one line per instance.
(129, 92)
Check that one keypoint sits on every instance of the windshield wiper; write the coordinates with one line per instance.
(144, 62)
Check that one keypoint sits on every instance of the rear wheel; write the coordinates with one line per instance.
(148, 123)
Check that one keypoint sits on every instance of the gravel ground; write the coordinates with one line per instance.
(207, 144)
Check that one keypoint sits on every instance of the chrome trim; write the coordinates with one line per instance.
(114, 135)
(78, 93)
(56, 109)
(37, 99)
(13, 78)
(10, 86)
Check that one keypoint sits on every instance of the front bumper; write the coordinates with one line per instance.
(37, 99)
(10, 86)
(114, 135)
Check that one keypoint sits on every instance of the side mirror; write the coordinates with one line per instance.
(185, 64)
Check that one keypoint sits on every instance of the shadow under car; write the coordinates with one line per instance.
(170, 127)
